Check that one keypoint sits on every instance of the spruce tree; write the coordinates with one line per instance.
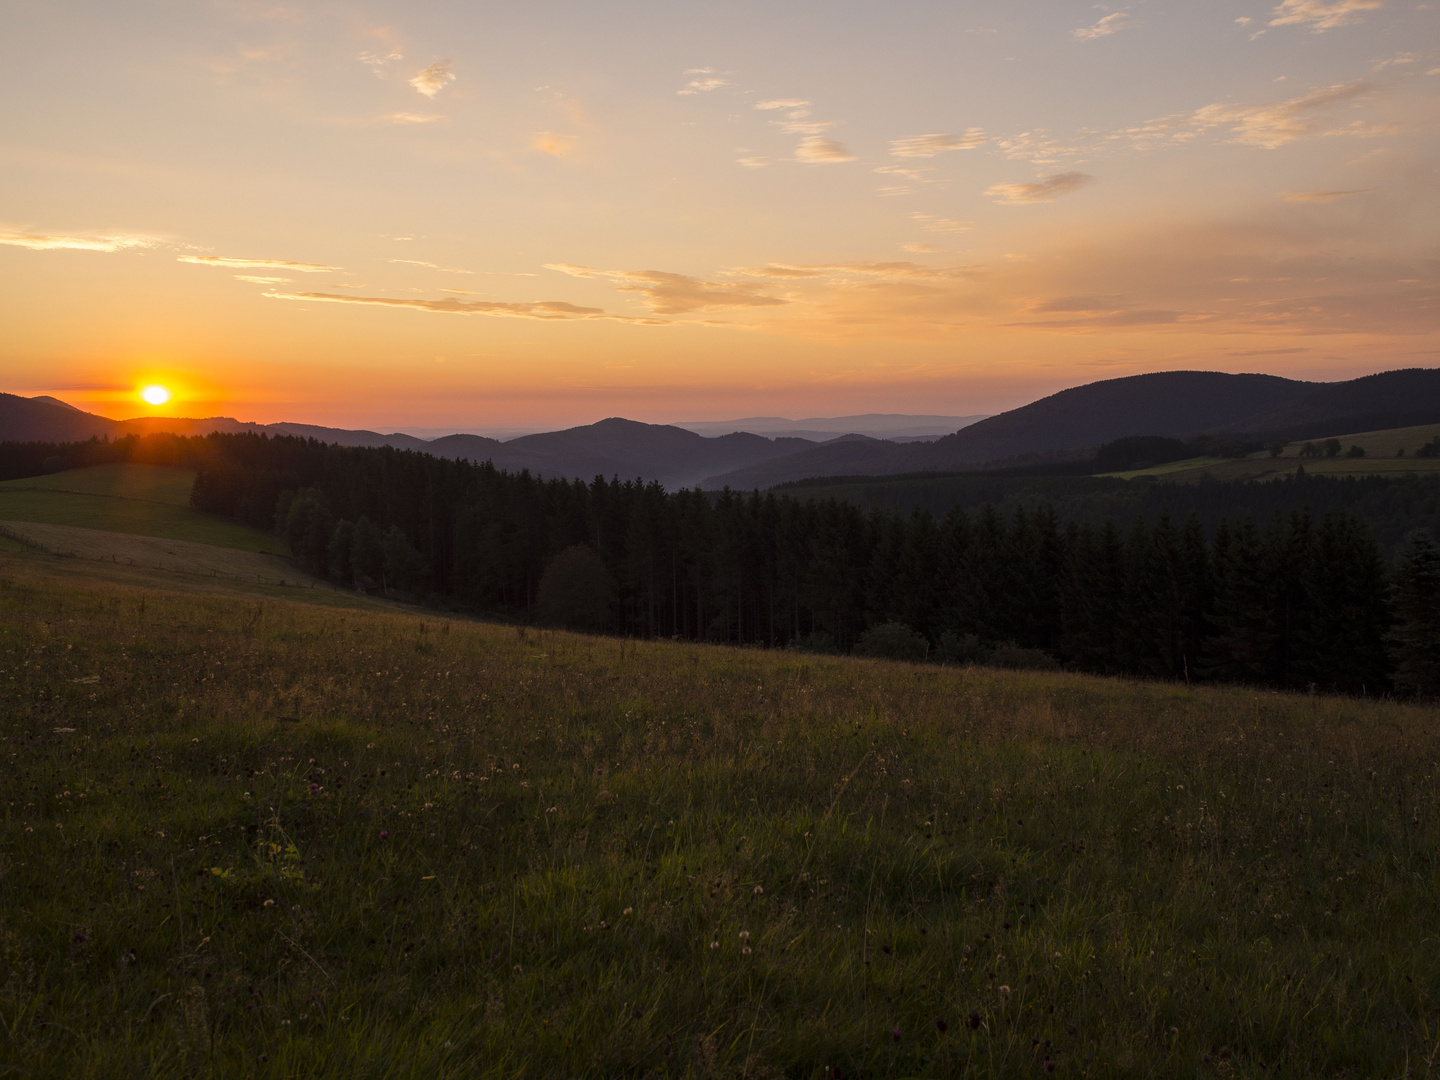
(1415, 641)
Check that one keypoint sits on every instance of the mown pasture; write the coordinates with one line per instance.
(246, 835)
(127, 497)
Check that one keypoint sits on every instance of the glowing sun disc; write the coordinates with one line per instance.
(154, 395)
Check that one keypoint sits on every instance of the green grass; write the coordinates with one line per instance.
(147, 500)
(245, 836)
(1380, 459)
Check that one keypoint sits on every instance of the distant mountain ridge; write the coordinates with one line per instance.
(615, 447)
(895, 427)
(1176, 404)
(1070, 424)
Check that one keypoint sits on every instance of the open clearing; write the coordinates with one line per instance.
(180, 556)
(1381, 448)
(247, 836)
(146, 500)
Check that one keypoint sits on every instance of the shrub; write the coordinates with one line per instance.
(814, 643)
(577, 592)
(892, 641)
(1010, 655)
(960, 649)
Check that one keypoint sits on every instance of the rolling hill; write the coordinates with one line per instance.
(615, 447)
(1177, 404)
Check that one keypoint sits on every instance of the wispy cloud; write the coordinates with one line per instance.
(817, 150)
(431, 80)
(1268, 126)
(705, 80)
(911, 176)
(1110, 24)
(676, 294)
(1320, 16)
(430, 266)
(411, 118)
(1272, 126)
(377, 61)
(942, 224)
(36, 242)
(227, 263)
(543, 309)
(782, 103)
(925, 146)
(1046, 189)
(1319, 196)
(876, 270)
(257, 280)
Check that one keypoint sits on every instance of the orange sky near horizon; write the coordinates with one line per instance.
(444, 215)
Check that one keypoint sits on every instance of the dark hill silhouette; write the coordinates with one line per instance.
(1173, 404)
(1069, 425)
(615, 447)
(1169, 403)
(45, 419)
(626, 448)
(1405, 398)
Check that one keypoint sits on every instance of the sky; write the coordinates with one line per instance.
(442, 215)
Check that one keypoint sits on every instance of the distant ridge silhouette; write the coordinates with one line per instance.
(1071, 423)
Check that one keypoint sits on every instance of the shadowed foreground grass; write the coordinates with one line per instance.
(251, 837)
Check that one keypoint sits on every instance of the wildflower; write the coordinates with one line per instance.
(974, 1021)
(714, 944)
(941, 1026)
(895, 1033)
(744, 935)
(384, 834)
(1049, 1065)
(627, 911)
(1004, 991)
(268, 903)
(758, 890)
(745, 951)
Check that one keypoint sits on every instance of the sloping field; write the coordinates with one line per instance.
(1381, 450)
(146, 500)
(179, 556)
(257, 838)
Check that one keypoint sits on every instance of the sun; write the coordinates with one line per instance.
(154, 395)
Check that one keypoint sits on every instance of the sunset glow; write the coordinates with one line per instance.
(154, 395)
(447, 215)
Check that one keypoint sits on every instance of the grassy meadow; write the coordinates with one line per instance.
(246, 835)
(145, 500)
(1381, 459)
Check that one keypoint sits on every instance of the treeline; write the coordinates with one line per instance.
(1393, 506)
(1293, 602)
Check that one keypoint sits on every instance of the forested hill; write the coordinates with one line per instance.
(1177, 404)
(1291, 601)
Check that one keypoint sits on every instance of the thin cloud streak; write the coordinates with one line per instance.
(1046, 189)
(676, 294)
(1320, 196)
(543, 309)
(926, 146)
(1320, 16)
(74, 243)
(257, 264)
(817, 150)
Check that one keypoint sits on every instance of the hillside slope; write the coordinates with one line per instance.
(1177, 404)
(1174, 403)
